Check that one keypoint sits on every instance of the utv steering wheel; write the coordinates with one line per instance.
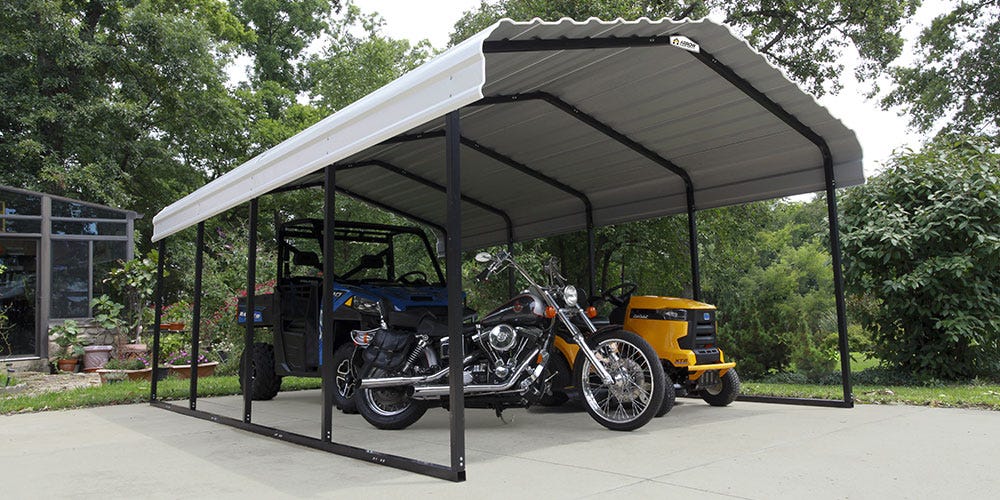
(624, 292)
(421, 278)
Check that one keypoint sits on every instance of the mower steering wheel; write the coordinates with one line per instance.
(421, 278)
(625, 291)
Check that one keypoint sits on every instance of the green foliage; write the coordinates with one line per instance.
(954, 83)
(922, 237)
(66, 335)
(358, 60)
(805, 37)
(171, 344)
(282, 31)
(108, 315)
(767, 269)
(96, 94)
(134, 282)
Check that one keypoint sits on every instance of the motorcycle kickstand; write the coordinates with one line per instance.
(499, 411)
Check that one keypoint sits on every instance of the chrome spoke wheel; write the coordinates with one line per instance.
(631, 392)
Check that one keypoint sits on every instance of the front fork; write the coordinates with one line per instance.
(582, 342)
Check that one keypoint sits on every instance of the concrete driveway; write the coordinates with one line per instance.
(748, 450)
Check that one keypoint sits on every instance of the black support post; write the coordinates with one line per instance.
(693, 246)
(838, 283)
(199, 257)
(161, 249)
(759, 97)
(453, 262)
(591, 256)
(327, 337)
(511, 277)
(251, 292)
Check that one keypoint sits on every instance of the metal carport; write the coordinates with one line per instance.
(548, 127)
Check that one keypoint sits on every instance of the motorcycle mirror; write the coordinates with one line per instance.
(483, 257)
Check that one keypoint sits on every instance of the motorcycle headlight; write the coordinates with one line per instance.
(570, 296)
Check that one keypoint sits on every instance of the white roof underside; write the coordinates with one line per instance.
(662, 97)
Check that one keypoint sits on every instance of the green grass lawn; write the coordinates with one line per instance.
(126, 392)
(959, 396)
(861, 362)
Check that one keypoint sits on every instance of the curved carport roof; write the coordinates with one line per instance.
(549, 128)
(562, 124)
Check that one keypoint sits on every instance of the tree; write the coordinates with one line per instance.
(359, 59)
(805, 37)
(922, 239)
(282, 31)
(953, 86)
(97, 95)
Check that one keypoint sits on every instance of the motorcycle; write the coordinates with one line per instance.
(405, 367)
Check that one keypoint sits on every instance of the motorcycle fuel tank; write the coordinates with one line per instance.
(523, 309)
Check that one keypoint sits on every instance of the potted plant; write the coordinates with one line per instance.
(180, 365)
(108, 315)
(120, 369)
(95, 357)
(66, 335)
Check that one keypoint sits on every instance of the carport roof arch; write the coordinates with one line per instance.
(623, 74)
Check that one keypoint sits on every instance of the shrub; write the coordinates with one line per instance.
(922, 239)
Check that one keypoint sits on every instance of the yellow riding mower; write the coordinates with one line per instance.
(682, 332)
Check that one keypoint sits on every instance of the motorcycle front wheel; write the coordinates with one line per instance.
(636, 393)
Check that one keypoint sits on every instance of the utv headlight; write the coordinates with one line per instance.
(570, 296)
(364, 305)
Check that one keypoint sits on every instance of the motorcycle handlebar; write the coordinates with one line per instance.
(485, 273)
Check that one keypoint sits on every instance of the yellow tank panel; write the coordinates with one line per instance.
(655, 302)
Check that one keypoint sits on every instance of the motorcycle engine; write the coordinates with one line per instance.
(502, 338)
(504, 345)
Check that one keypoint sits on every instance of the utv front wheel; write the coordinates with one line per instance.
(723, 391)
(346, 365)
(264, 382)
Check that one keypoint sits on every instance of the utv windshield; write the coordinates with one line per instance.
(365, 253)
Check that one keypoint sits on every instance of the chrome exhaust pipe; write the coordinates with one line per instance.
(371, 383)
(431, 391)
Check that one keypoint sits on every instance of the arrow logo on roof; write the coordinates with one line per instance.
(683, 42)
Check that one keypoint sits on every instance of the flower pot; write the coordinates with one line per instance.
(133, 351)
(144, 374)
(161, 372)
(184, 371)
(112, 376)
(67, 365)
(95, 356)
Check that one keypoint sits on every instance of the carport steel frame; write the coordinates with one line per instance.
(455, 471)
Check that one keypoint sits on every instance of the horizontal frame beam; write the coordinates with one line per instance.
(829, 403)
(395, 461)
(431, 184)
(537, 45)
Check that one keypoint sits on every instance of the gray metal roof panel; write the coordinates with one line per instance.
(661, 97)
